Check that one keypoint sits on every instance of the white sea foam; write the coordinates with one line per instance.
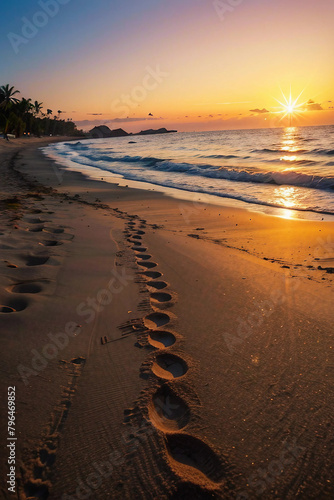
(288, 168)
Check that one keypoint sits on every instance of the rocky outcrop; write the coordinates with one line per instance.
(158, 131)
(102, 131)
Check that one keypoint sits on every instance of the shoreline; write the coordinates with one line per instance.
(301, 232)
(194, 341)
(196, 196)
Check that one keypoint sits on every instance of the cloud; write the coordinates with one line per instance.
(117, 120)
(259, 111)
(95, 114)
(314, 106)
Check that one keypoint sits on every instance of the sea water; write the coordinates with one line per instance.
(287, 168)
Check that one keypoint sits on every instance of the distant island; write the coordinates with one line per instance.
(102, 132)
(158, 131)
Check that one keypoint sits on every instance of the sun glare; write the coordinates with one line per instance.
(291, 107)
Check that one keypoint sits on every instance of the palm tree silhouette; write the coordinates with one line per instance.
(24, 106)
(37, 107)
(7, 99)
(6, 96)
(18, 116)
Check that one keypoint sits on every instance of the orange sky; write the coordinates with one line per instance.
(216, 70)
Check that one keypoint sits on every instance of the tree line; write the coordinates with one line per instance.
(23, 116)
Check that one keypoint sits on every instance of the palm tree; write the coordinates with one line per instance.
(6, 96)
(47, 126)
(7, 99)
(24, 106)
(37, 107)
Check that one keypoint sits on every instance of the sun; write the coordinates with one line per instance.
(291, 107)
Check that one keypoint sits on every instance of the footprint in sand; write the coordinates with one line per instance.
(14, 305)
(51, 243)
(36, 489)
(63, 236)
(6, 309)
(12, 266)
(38, 475)
(169, 366)
(47, 457)
(140, 232)
(136, 237)
(37, 229)
(161, 297)
(139, 249)
(158, 285)
(34, 260)
(34, 221)
(194, 458)
(57, 230)
(78, 361)
(167, 411)
(143, 256)
(152, 274)
(26, 288)
(148, 265)
(156, 319)
(161, 339)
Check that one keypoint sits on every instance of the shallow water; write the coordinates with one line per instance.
(291, 168)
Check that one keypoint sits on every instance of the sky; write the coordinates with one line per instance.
(181, 64)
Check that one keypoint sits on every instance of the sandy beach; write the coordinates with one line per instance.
(160, 348)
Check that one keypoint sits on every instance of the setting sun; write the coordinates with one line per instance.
(291, 107)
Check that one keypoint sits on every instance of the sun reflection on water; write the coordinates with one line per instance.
(289, 158)
(284, 213)
(289, 145)
(286, 197)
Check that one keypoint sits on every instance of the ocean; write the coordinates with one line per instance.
(286, 169)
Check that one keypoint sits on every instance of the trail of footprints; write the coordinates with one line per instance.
(38, 471)
(20, 291)
(34, 480)
(196, 465)
(199, 469)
